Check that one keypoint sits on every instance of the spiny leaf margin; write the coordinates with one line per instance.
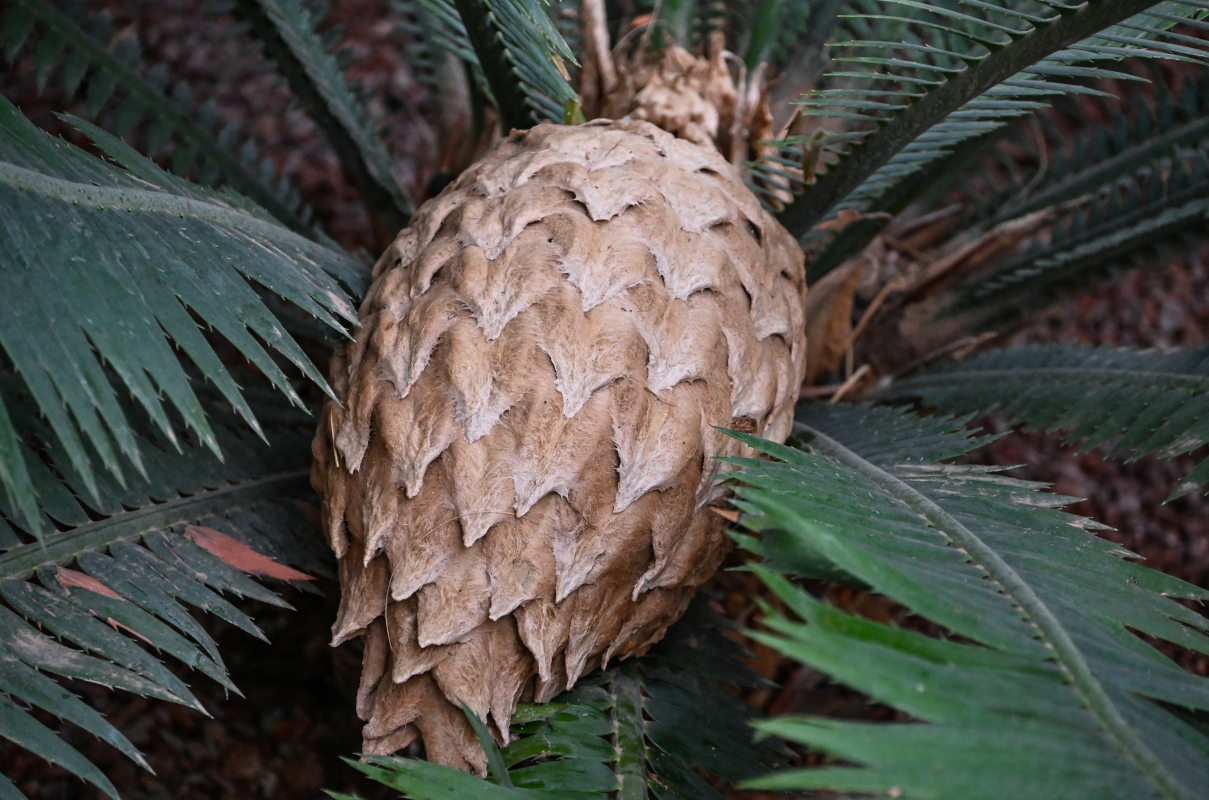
(106, 67)
(520, 53)
(104, 267)
(992, 560)
(287, 30)
(998, 72)
(149, 556)
(1126, 401)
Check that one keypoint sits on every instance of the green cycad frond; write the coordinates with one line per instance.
(1056, 699)
(1132, 190)
(789, 36)
(77, 45)
(1128, 402)
(784, 34)
(959, 71)
(637, 729)
(287, 30)
(689, 23)
(1142, 131)
(526, 76)
(520, 55)
(434, 29)
(567, 16)
(135, 561)
(1161, 207)
(105, 270)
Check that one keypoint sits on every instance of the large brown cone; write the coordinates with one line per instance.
(516, 485)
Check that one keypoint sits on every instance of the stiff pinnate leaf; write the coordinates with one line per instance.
(81, 48)
(1144, 132)
(1056, 698)
(521, 56)
(108, 279)
(123, 605)
(1129, 402)
(287, 29)
(1160, 209)
(950, 72)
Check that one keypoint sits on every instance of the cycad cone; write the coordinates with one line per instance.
(516, 485)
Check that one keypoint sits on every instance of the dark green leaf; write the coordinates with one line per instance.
(87, 39)
(519, 51)
(26, 731)
(287, 30)
(989, 78)
(1129, 402)
(120, 258)
(1059, 698)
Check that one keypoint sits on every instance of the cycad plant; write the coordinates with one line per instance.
(579, 362)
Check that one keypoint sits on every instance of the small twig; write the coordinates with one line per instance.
(961, 346)
(878, 300)
(848, 384)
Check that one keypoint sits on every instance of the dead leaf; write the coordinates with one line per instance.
(68, 578)
(829, 319)
(237, 554)
(728, 514)
(848, 216)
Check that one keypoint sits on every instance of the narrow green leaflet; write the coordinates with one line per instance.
(104, 271)
(1147, 131)
(439, 20)
(82, 48)
(1129, 402)
(1163, 207)
(433, 31)
(20, 727)
(18, 490)
(790, 36)
(1054, 697)
(954, 71)
(634, 731)
(688, 23)
(287, 30)
(521, 55)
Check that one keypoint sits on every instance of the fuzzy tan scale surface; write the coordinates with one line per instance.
(517, 484)
(694, 97)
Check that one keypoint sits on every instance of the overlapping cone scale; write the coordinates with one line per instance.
(516, 483)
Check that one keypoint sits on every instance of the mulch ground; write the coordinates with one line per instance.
(285, 737)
